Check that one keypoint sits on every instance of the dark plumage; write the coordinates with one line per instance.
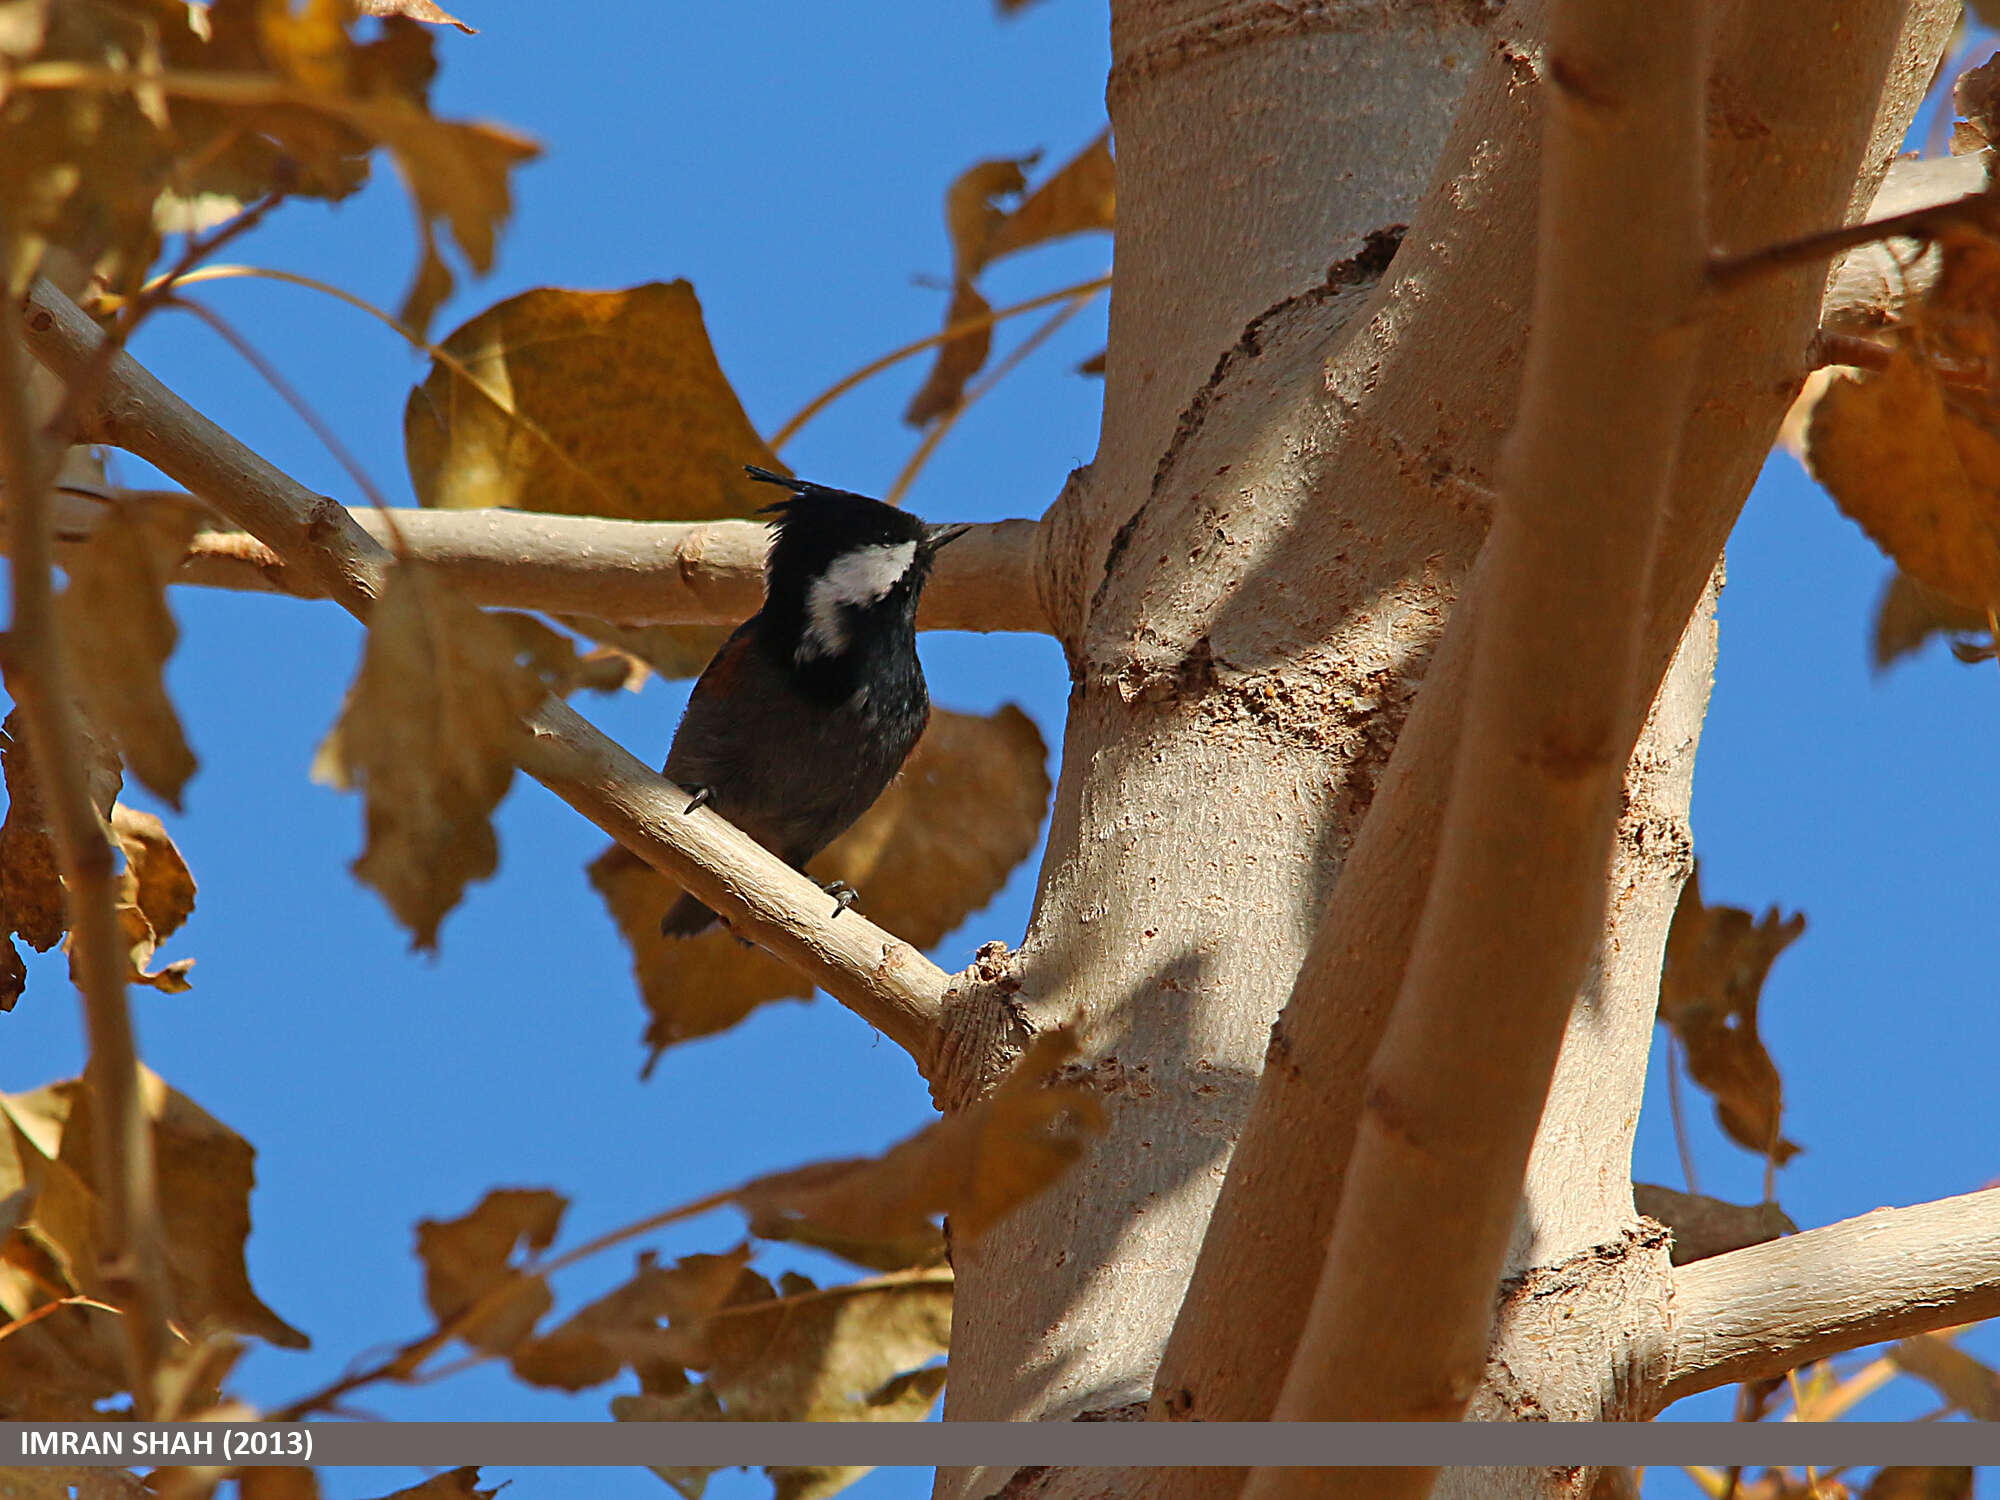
(814, 702)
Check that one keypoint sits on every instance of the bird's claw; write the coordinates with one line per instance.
(844, 895)
(701, 797)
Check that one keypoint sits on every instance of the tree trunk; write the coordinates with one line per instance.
(1253, 580)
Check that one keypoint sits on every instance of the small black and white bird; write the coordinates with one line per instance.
(810, 708)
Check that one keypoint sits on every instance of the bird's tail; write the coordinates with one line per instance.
(687, 917)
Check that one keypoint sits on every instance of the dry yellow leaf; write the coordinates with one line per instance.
(1921, 1482)
(615, 405)
(155, 896)
(58, 1368)
(416, 10)
(429, 733)
(1704, 1226)
(31, 891)
(102, 173)
(156, 878)
(974, 1167)
(937, 846)
(905, 1398)
(57, 1483)
(973, 210)
(802, 1353)
(118, 633)
(1925, 486)
(623, 1330)
(470, 1261)
(1910, 613)
(959, 358)
(277, 1482)
(457, 174)
(563, 668)
(1081, 196)
(205, 1173)
(1717, 960)
(1967, 1383)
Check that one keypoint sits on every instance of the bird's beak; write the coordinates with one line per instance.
(950, 532)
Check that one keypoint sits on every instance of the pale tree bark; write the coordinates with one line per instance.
(1252, 582)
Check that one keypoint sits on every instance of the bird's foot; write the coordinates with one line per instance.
(700, 798)
(844, 895)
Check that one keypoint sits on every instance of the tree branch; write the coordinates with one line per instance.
(1403, 1313)
(129, 1250)
(882, 979)
(1797, 169)
(1755, 1313)
(628, 572)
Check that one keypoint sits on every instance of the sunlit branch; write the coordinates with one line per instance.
(884, 980)
(1758, 1312)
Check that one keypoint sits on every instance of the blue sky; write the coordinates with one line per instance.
(794, 170)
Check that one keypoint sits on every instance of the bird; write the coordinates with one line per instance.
(810, 708)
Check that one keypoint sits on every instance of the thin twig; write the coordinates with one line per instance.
(501, 400)
(1728, 271)
(1676, 1108)
(894, 357)
(128, 1221)
(82, 390)
(289, 393)
(992, 378)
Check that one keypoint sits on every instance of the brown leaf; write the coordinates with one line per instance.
(554, 657)
(1081, 196)
(801, 1353)
(614, 405)
(458, 176)
(469, 1261)
(1976, 96)
(119, 633)
(205, 1173)
(975, 1167)
(140, 943)
(156, 878)
(13, 976)
(1920, 1482)
(937, 846)
(101, 173)
(1708, 1226)
(1914, 457)
(277, 1482)
(31, 890)
(61, 1366)
(1717, 960)
(1921, 484)
(1967, 1383)
(1910, 613)
(416, 10)
(453, 1484)
(959, 358)
(623, 1327)
(155, 896)
(430, 732)
(670, 650)
(973, 210)
(57, 1483)
(906, 1398)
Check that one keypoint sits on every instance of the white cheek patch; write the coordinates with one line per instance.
(855, 580)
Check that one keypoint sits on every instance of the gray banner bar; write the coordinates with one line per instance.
(1061, 1444)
